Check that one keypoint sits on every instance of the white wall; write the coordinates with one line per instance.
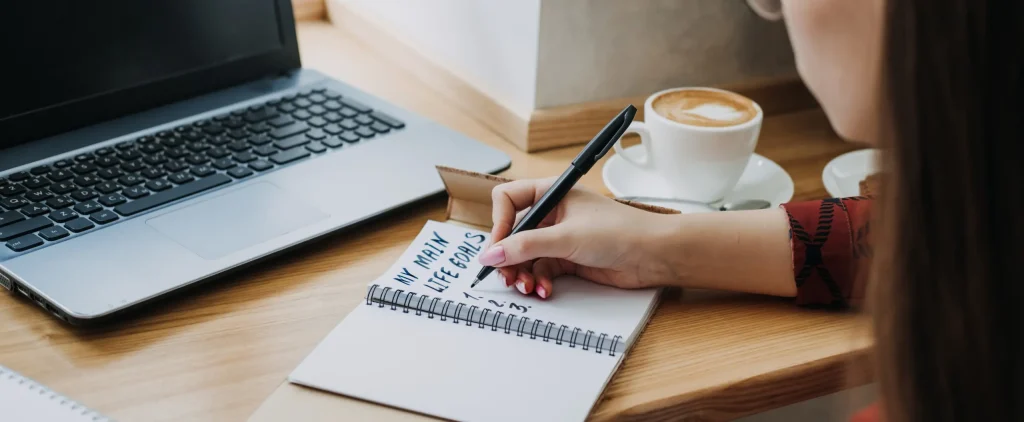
(499, 55)
(594, 50)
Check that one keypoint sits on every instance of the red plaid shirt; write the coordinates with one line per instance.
(831, 247)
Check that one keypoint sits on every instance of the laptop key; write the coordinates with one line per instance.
(88, 207)
(129, 155)
(218, 152)
(316, 134)
(260, 165)
(333, 142)
(176, 153)
(63, 187)
(302, 114)
(356, 105)
(380, 127)
(316, 147)
(135, 192)
(130, 180)
(60, 175)
(240, 172)
(263, 113)
(104, 217)
(38, 195)
(158, 185)
(224, 164)
(261, 139)
(331, 94)
(25, 243)
(87, 180)
(260, 127)
(59, 202)
(13, 203)
(175, 166)
(83, 168)
(348, 124)
(84, 194)
(317, 98)
(62, 215)
(333, 117)
(388, 120)
(172, 143)
(214, 129)
(333, 129)
(365, 132)
(220, 140)
(63, 164)
(54, 233)
(153, 173)
(113, 199)
(107, 161)
(12, 189)
(244, 157)
(35, 210)
(170, 195)
(238, 146)
(332, 105)
(302, 103)
(107, 187)
(281, 121)
(349, 136)
(348, 112)
(317, 110)
(150, 149)
(20, 228)
(198, 147)
(364, 120)
(285, 157)
(110, 173)
(197, 159)
(234, 123)
(292, 142)
(36, 182)
(203, 171)
(317, 122)
(265, 150)
(10, 217)
(79, 225)
(181, 178)
(40, 170)
(19, 176)
(155, 160)
(286, 131)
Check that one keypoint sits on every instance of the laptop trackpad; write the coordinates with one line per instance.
(232, 222)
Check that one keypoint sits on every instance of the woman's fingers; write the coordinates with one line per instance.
(525, 282)
(508, 275)
(544, 272)
(510, 197)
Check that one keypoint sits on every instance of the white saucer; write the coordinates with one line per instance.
(843, 174)
(763, 179)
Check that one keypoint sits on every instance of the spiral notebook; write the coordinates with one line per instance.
(22, 399)
(423, 341)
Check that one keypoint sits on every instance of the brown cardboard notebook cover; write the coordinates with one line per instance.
(469, 203)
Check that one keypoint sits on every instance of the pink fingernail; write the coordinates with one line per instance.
(521, 285)
(541, 292)
(502, 278)
(493, 256)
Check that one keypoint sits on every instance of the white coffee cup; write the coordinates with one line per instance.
(702, 150)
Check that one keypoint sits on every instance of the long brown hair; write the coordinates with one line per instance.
(946, 292)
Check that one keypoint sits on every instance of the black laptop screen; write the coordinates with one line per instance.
(67, 52)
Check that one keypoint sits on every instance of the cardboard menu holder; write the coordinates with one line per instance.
(469, 203)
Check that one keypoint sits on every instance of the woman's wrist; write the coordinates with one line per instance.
(747, 251)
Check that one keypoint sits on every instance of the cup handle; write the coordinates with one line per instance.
(645, 139)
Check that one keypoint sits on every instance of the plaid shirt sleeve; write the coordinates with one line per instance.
(830, 241)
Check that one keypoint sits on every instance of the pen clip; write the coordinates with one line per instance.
(627, 118)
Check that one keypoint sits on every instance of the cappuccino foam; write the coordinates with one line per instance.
(698, 107)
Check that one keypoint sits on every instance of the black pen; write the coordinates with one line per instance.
(593, 152)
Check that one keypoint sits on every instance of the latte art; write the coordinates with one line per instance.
(701, 107)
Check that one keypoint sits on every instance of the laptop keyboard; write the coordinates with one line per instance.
(70, 196)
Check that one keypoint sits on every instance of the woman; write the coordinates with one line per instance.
(936, 85)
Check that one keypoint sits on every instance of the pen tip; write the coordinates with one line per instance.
(474, 283)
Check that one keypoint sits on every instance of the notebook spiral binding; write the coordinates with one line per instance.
(497, 320)
(72, 406)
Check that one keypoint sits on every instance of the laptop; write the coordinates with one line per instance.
(147, 146)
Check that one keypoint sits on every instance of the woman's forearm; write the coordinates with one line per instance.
(745, 251)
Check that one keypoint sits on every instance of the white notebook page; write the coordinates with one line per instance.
(461, 372)
(22, 399)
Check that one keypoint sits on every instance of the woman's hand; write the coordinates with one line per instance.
(587, 234)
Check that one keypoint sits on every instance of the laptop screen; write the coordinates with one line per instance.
(128, 55)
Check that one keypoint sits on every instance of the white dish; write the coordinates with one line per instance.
(843, 174)
(762, 179)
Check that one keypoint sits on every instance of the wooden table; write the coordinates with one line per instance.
(217, 353)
